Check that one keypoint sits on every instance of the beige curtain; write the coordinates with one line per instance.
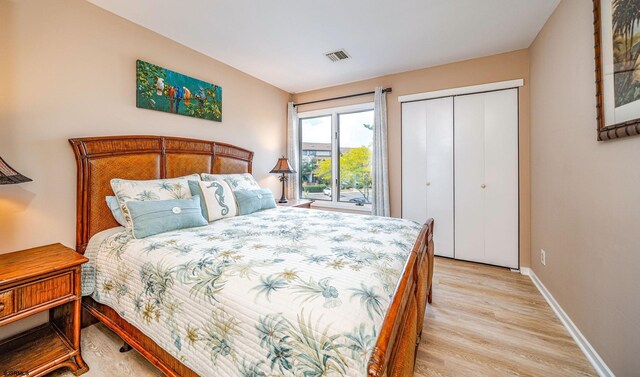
(380, 194)
(293, 152)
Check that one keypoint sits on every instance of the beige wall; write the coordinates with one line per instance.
(585, 206)
(67, 69)
(509, 66)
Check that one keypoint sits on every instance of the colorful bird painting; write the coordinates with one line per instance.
(179, 96)
(187, 95)
(171, 91)
(159, 86)
(164, 90)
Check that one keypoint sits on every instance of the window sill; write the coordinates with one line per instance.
(365, 209)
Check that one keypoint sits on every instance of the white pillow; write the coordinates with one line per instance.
(154, 189)
(216, 199)
(243, 181)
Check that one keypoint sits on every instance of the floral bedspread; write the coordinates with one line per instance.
(287, 291)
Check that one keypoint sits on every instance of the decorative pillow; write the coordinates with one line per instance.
(216, 199)
(236, 181)
(114, 206)
(250, 201)
(154, 189)
(158, 216)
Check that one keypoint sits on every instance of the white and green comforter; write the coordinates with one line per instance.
(286, 291)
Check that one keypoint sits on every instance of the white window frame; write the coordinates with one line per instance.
(335, 153)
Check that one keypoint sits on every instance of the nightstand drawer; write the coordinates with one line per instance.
(6, 303)
(44, 291)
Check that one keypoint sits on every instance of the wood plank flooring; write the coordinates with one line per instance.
(489, 321)
(484, 321)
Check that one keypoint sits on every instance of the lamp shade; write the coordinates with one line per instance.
(282, 166)
(8, 175)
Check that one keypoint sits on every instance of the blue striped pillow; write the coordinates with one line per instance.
(158, 216)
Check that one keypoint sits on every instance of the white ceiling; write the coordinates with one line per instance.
(283, 41)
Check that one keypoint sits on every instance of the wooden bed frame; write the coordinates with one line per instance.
(99, 159)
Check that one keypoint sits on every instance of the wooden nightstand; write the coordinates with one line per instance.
(32, 281)
(300, 203)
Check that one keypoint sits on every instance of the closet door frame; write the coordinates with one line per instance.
(458, 92)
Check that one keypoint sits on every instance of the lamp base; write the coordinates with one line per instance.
(283, 198)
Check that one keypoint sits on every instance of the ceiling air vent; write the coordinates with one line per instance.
(337, 55)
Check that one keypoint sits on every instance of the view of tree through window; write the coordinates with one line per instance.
(355, 145)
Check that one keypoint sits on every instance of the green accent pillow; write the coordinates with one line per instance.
(250, 201)
(158, 216)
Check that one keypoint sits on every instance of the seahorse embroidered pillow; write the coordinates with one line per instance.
(216, 199)
(155, 189)
(236, 181)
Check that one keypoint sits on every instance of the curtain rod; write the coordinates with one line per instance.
(385, 90)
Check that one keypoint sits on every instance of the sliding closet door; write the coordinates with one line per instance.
(440, 173)
(486, 177)
(469, 177)
(427, 167)
(414, 161)
(501, 177)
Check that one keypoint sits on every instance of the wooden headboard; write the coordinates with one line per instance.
(101, 159)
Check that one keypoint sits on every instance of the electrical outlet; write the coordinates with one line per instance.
(543, 257)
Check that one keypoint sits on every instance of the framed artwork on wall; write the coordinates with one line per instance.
(164, 90)
(617, 58)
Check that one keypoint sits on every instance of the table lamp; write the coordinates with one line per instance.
(283, 167)
(9, 176)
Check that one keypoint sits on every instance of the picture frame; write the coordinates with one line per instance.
(161, 89)
(617, 63)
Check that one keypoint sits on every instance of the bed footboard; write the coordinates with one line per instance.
(395, 351)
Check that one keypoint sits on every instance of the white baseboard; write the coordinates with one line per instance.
(596, 361)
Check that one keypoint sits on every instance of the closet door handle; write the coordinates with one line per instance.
(428, 183)
(483, 185)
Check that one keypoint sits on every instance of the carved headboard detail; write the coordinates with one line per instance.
(101, 159)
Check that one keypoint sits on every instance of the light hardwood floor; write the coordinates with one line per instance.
(489, 321)
(484, 321)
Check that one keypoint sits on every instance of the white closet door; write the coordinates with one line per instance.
(427, 170)
(501, 178)
(440, 173)
(414, 161)
(486, 177)
(469, 176)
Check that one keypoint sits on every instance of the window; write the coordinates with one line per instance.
(346, 132)
(315, 134)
